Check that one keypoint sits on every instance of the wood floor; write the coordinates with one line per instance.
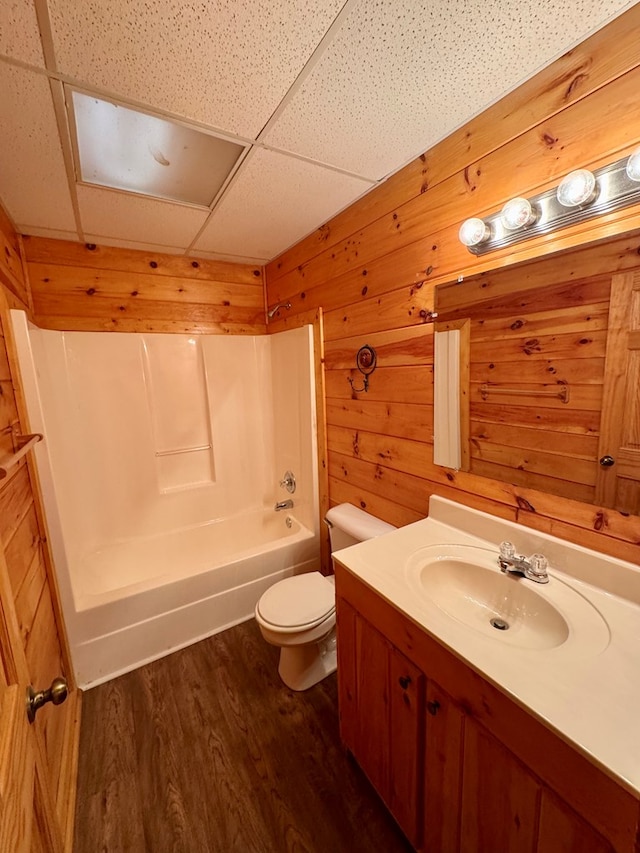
(207, 750)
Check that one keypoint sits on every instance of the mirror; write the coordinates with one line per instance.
(554, 372)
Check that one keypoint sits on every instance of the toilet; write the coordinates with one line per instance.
(298, 614)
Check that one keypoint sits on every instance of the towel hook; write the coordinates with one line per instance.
(366, 362)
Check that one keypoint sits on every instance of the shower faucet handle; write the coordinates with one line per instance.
(288, 482)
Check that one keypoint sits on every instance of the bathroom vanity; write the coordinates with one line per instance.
(477, 738)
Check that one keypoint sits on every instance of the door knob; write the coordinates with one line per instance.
(607, 461)
(57, 693)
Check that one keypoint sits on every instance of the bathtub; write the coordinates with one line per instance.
(182, 586)
(162, 460)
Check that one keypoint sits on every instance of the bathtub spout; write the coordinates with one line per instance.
(283, 505)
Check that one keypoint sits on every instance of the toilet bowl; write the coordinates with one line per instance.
(298, 614)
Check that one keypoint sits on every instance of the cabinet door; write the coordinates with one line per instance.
(381, 696)
(562, 830)
(442, 767)
(406, 703)
(372, 737)
(499, 797)
(347, 690)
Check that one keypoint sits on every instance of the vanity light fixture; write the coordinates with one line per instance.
(581, 195)
(473, 232)
(577, 189)
(517, 213)
(633, 166)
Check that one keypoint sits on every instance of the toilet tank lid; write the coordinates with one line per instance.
(356, 522)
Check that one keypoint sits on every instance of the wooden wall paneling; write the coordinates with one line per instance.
(342, 491)
(103, 289)
(405, 420)
(401, 347)
(400, 487)
(581, 71)
(40, 250)
(11, 272)
(391, 385)
(389, 311)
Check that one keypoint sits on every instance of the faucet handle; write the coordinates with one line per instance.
(507, 550)
(538, 563)
(288, 482)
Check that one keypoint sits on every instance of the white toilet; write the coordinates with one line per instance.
(299, 613)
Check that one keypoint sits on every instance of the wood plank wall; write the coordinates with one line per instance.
(34, 649)
(373, 270)
(96, 288)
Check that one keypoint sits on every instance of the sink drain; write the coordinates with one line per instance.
(499, 624)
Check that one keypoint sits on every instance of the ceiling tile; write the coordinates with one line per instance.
(124, 216)
(19, 33)
(221, 62)
(400, 76)
(52, 233)
(33, 180)
(273, 202)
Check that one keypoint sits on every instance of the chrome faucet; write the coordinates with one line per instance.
(283, 505)
(534, 568)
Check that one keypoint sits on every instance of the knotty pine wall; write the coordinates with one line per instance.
(33, 646)
(95, 288)
(373, 270)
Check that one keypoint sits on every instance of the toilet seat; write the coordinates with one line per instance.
(297, 603)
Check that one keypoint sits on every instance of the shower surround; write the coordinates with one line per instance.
(160, 470)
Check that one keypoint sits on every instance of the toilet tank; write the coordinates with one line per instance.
(349, 525)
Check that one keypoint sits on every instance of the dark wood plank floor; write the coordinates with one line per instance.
(207, 750)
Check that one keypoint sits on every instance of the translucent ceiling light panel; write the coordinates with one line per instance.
(128, 150)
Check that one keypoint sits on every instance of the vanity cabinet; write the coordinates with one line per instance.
(381, 710)
(461, 766)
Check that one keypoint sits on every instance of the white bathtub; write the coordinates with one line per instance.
(182, 586)
(160, 468)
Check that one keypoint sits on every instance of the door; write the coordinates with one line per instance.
(618, 478)
(28, 814)
(38, 760)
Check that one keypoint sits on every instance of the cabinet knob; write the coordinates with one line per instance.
(432, 707)
(404, 681)
(607, 461)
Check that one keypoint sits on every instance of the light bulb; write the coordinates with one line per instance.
(517, 213)
(473, 231)
(633, 166)
(577, 188)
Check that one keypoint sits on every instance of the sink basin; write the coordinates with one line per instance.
(466, 583)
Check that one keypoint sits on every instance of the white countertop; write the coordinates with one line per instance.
(591, 700)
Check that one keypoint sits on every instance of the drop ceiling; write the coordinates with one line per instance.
(326, 98)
